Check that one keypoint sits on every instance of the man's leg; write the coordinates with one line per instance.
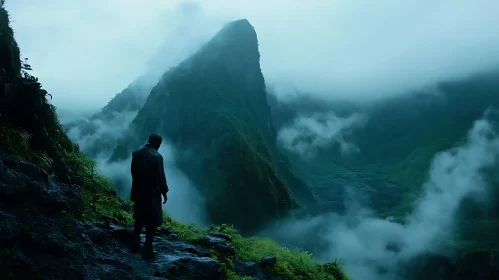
(138, 225)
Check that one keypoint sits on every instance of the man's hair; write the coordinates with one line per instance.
(155, 140)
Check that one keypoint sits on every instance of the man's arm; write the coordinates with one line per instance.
(133, 168)
(163, 185)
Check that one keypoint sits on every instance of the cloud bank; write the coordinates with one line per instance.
(306, 134)
(85, 53)
(185, 203)
(98, 137)
(374, 248)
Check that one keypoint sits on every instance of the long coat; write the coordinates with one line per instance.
(149, 182)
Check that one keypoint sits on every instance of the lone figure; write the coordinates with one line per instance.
(149, 183)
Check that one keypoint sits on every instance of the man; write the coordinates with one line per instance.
(149, 183)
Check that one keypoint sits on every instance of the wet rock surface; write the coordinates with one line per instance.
(42, 238)
(268, 262)
(218, 242)
(253, 269)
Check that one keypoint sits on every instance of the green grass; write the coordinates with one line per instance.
(98, 194)
(293, 264)
(290, 263)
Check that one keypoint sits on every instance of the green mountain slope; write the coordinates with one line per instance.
(213, 106)
(131, 98)
(398, 142)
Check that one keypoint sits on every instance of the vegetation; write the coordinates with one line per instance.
(10, 63)
(16, 141)
(98, 192)
(290, 263)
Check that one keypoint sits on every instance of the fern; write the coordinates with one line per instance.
(40, 158)
(16, 141)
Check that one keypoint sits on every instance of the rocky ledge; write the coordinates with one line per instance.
(42, 237)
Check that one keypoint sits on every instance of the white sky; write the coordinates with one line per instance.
(84, 52)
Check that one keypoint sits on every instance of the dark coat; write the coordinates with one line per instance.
(149, 182)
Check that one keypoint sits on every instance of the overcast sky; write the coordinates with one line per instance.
(84, 52)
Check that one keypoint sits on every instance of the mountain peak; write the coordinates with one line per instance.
(236, 31)
(240, 25)
(215, 106)
(236, 45)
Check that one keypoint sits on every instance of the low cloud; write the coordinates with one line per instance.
(84, 53)
(185, 202)
(306, 134)
(373, 248)
(98, 138)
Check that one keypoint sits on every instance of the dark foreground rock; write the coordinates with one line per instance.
(41, 237)
(253, 269)
(268, 262)
(217, 242)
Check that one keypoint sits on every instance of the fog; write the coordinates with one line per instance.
(373, 248)
(105, 132)
(306, 134)
(185, 203)
(85, 52)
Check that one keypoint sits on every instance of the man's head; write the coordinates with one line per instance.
(155, 141)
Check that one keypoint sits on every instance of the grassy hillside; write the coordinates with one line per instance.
(213, 107)
(35, 134)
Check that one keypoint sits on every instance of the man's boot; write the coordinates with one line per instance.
(135, 244)
(148, 249)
